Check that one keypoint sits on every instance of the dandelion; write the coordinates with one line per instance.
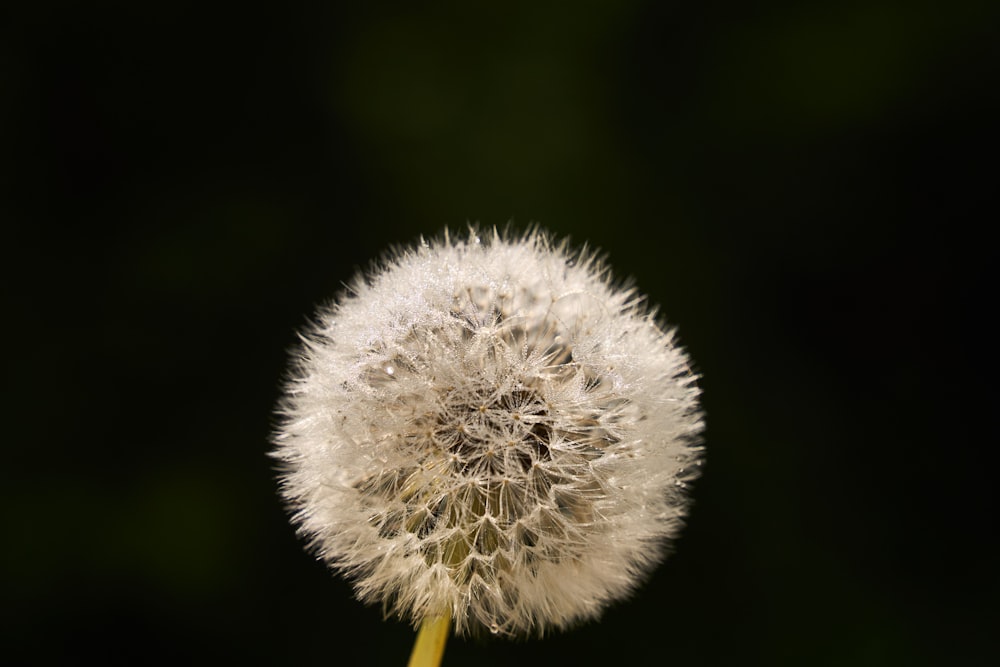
(490, 431)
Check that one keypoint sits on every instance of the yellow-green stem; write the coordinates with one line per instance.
(431, 638)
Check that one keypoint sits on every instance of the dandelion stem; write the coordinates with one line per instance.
(429, 647)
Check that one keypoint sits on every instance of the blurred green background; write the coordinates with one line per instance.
(798, 184)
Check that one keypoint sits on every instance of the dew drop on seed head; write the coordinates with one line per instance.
(494, 628)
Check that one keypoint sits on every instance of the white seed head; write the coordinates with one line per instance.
(490, 428)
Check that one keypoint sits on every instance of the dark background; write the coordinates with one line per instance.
(798, 184)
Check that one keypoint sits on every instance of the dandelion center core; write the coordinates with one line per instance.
(491, 434)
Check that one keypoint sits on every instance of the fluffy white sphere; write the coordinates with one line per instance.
(489, 427)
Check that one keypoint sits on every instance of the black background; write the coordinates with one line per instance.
(803, 187)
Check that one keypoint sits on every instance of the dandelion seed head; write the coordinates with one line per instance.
(490, 427)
